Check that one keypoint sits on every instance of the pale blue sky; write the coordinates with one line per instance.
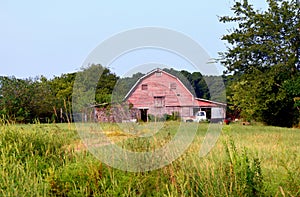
(54, 37)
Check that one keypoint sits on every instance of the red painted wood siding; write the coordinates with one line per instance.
(162, 93)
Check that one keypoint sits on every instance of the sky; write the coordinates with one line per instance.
(50, 38)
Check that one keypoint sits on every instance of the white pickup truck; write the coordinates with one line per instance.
(199, 116)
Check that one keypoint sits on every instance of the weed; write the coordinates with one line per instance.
(244, 175)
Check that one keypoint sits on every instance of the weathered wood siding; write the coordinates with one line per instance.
(162, 93)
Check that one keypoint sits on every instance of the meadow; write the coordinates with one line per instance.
(247, 160)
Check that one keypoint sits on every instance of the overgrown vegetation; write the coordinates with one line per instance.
(48, 100)
(263, 59)
(49, 160)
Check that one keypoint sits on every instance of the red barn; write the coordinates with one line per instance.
(158, 93)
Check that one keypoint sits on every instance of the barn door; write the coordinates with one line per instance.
(144, 114)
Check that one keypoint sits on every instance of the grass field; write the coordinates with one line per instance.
(50, 160)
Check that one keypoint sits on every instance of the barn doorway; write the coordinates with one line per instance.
(144, 115)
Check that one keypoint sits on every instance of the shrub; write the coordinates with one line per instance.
(175, 116)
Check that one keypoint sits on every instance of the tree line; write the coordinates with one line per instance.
(262, 73)
(45, 100)
(50, 100)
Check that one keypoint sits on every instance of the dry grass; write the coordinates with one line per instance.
(51, 160)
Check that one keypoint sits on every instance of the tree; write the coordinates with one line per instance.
(264, 53)
(93, 85)
(62, 89)
(106, 86)
(216, 87)
(123, 86)
(42, 100)
(292, 87)
(15, 94)
(24, 100)
(194, 82)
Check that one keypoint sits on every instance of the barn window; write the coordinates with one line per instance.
(144, 87)
(159, 101)
(158, 74)
(173, 86)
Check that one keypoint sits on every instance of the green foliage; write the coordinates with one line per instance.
(27, 100)
(175, 116)
(27, 153)
(124, 85)
(264, 54)
(216, 87)
(258, 99)
(244, 174)
(76, 179)
(292, 87)
(194, 82)
(160, 118)
(93, 84)
(105, 86)
(62, 88)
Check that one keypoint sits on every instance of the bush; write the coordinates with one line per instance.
(152, 118)
(175, 116)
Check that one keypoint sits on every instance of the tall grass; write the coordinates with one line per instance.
(42, 160)
(27, 153)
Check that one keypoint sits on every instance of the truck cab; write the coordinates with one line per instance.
(199, 116)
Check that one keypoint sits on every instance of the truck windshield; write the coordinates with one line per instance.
(201, 113)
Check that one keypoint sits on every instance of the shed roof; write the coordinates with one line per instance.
(208, 103)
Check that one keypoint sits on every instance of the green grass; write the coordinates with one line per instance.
(50, 160)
